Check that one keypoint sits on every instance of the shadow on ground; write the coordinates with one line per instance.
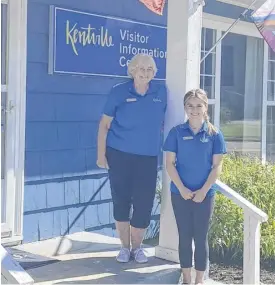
(90, 259)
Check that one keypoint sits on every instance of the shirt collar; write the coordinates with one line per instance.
(152, 88)
(204, 127)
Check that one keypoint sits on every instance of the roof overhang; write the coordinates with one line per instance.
(244, 3)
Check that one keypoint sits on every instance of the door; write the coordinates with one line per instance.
(5, 229)
(13, 95)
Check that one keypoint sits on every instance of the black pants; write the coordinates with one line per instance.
(133, 183)
(193, 221)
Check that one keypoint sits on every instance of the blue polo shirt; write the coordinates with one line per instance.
(137, 119)
(194, 155)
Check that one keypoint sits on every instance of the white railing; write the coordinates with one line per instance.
(11, 271)
(253, 217)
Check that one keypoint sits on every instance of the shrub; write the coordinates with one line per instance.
(256, 182)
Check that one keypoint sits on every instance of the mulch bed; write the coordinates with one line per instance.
(229, 270)
(233, 274)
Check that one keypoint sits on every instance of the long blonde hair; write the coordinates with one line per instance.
(201, 95)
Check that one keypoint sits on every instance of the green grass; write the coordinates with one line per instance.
(235, 130)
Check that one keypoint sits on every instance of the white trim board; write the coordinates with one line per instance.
(11, 271)
(222, 24)
(243, 3)
(264, 104)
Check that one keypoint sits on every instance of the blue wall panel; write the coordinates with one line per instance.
(63, 110)
(32, 165)
(35, 197)
(72, 192)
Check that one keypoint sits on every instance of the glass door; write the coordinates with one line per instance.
(13, 96)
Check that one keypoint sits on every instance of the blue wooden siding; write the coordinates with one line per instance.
(62, 118)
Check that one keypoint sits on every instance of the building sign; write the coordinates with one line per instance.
(88, 44)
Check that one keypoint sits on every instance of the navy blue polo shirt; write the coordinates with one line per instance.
(194, 154)
(137, 119)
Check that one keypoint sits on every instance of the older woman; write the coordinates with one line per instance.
(129, 141)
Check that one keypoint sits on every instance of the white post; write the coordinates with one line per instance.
(251, 255)
(182, 74)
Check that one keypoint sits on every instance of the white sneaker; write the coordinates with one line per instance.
(139, 255)
(123, 255)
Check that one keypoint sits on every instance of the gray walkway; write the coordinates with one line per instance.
(88, 258)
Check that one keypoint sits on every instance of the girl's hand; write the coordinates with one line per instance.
(199, 196)
(102, 162)
(186, 194)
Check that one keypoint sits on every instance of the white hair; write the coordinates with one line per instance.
(141, 57)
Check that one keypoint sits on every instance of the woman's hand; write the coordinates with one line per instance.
(186, 194)
(199, 195)
(102, 162)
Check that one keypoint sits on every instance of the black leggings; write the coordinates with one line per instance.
(193, 221)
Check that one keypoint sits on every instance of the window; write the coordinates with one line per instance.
(241, 93)
(209, 76)
(271, 76)
(208, 70)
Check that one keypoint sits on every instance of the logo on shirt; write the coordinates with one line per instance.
(204, 139)
(131, 99)
(156, 100)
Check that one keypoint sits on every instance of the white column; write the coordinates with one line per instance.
(182, 74)
(251, 255)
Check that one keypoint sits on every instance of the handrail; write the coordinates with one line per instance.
(241, 201)
(253, 217)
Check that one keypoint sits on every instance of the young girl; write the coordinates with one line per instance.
(194, 152)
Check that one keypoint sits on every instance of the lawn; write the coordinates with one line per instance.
(242, 130)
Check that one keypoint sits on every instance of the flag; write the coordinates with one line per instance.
(264, 19)
(155, 6)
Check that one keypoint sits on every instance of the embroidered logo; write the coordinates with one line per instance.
(204, 139)
(131, 99)
(156, 100)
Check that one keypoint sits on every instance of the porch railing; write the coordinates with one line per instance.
(253, 217)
